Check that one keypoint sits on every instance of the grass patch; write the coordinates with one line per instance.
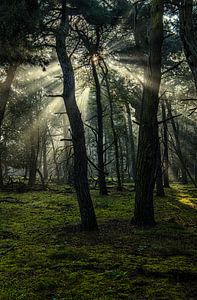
(43, 254)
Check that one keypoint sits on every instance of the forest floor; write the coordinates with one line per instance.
(43, 254)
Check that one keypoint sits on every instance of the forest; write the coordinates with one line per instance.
(98, 149)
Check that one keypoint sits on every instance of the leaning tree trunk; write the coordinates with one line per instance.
(188, 36)
(5, 89)
(88, 218)
(100, 148)
(148, 131)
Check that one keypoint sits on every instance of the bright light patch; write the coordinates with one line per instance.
(187, 202)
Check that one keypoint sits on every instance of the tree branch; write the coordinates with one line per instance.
(172, 68)
(168, 119)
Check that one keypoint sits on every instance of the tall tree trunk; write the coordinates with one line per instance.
(121, 159)
(44, 154)
(159, 175)
(195, 169)
(131, 141)
(33, 159)
(115, 137)
(165, 153)
(128, 158)
(32, 166)
(100, 148)
(57, 170)
(187, 33)
(88, 218)
(67, 157)
(177, 147)
(5, 89)
(148, 131)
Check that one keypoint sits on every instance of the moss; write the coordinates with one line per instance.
(43, 255)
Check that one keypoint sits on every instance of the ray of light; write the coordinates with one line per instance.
(44, 116)
(45, 86)
(135, 75)
(82, 100)
(186, 201)
(32, 73)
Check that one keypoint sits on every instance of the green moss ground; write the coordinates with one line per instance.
(43, 255)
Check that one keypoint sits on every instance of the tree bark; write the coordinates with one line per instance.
(5, 89)
(188, 37)
(148, 131)
(88, 218)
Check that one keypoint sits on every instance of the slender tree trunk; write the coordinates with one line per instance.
(88, 218)
(57, 171)
(165, 153)
(5, 89)
(25, 172)
(44, 155)
(33, 159)
(121, 160)
(32, 166)
(115, 137)
(177, 147)
(100, 148)
(159, 175)
(41, 178)
(148, 132)
(187, 33)
(195, 169)
(128, 158)
(67, 149)
(131, 141)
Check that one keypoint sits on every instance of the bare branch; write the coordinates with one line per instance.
(61, 113)
(109, 162)
(67, 140)
(108, 147)
(189, 99)
(172, 68)
(54, 96)
(91, 162)
(168, 119)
